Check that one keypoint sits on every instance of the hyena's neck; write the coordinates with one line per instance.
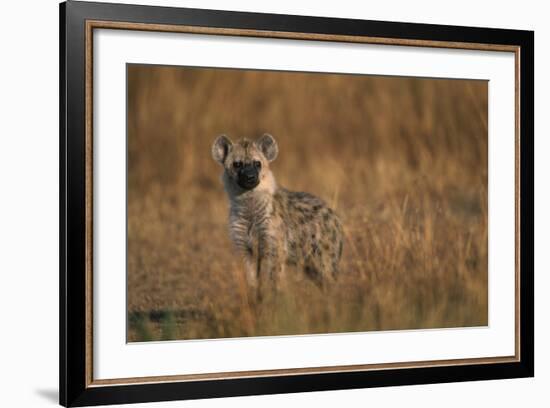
(250, 211)
(252, 207)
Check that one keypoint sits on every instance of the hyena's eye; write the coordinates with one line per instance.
(238, 164)
(257, 164)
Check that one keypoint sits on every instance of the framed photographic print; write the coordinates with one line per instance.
(256, 203)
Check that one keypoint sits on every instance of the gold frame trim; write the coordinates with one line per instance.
(99, 24)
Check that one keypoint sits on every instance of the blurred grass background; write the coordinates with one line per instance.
(402, 160)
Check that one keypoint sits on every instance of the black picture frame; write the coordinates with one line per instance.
(74, 390)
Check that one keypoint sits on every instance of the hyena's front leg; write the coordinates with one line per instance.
(270, 267)
(251, 272)
(251, 278)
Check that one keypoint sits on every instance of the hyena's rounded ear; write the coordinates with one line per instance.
(268, 146)
(220, 148)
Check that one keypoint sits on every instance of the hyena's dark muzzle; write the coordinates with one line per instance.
(248, 176)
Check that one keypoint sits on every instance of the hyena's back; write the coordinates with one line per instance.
(313, 233)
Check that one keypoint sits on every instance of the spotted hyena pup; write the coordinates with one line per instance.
(271, 226)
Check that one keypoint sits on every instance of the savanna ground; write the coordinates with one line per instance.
(403, 161)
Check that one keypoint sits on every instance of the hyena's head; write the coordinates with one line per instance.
(246, 162)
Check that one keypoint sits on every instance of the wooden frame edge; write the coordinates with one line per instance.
(289, 35)
(298, 371)
(89, 205)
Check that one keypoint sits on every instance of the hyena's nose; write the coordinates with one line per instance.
(249, 172)
(248, 177)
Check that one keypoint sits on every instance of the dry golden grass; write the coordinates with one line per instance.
(402, 160)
